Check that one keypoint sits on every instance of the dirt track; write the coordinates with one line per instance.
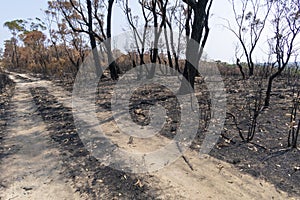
(38, 165)
(33, 169)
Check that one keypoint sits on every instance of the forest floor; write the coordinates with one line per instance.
(43, 157)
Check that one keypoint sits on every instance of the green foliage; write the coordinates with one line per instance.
(15, 26)
(23, 26)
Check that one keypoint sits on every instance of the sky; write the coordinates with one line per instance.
(220, 44)
(19, 9)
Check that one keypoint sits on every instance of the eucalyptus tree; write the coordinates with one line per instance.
(197, 31)
(15, 27)
(94, 19)
(250, 18)
(283, 44)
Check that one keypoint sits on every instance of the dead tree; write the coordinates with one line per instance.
(174, 19)
(139, 37)
(294, 125)
(162, 16)
(82, 17)
(238, 63)
(250, 21)
(197, 38)
(286, 24)
(254, 105)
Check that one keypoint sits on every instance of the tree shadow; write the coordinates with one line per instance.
(88, 174)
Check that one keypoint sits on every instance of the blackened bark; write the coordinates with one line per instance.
(194, 49)
(269, 90)
(113, 67)
(270, 83)
(240, 68)
(294, 141)
(154, 51)
(93, 43)
(251, 69)
(16, 53)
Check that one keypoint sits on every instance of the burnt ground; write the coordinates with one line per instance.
(267, 156)
(6, 92)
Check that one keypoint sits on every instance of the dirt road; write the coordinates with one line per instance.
(35, 166)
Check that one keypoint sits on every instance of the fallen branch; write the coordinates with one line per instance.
(276, 153)
(258, 145)
(184, 158)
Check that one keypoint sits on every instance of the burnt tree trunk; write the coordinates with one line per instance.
(251, 69)
(194, 48)
(270, 84)
(240, 68)
(15, 53)
(295, 136)
(154, 51)
(113, 68)
(269, 90)
(93, 43)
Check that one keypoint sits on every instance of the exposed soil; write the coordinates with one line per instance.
(30, 163)
(41, 136)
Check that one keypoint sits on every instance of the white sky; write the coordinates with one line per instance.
(220, 44)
